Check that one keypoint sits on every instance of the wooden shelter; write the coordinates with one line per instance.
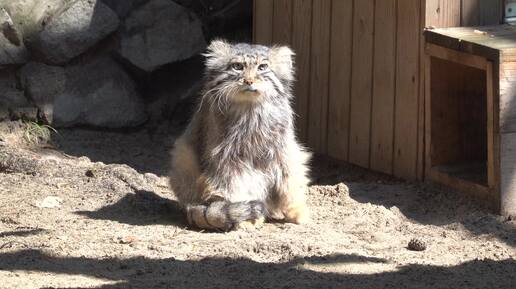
(360, 94)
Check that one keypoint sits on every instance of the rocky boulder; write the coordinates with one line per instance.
(10, 95)
(98, 93)
(123, 7)
(42, 83)
(31, 15)
(13, 104)
(73, 31)
(12, 48)
(160, 32)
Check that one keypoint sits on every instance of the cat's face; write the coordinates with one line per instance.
(249, 73)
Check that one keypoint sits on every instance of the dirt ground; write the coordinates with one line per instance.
(92, 210)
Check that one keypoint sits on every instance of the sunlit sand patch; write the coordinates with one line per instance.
(31, 279)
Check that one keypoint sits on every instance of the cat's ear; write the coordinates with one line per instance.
(217, 53)
(282, 62)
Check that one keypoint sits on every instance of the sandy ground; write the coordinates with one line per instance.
(111, 222)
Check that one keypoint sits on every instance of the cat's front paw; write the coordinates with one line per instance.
(249, 225)
(297, 214)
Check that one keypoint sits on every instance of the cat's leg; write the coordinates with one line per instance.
(185, 171)
(292, 188)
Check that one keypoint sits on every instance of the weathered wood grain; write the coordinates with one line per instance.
(384, 86)
(301, 43)
(407, 90)
(361, 83)
(319, 75)
(263, 21)
(340, 78)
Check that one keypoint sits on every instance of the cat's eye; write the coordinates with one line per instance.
(263, 67)
(237, 66)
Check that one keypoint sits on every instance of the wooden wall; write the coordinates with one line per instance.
(359, 92)
(455, 13)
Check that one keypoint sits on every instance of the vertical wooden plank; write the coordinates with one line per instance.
(340, 78)
(361, 84)
(450, 13)
(407, 89)
(282, 31)
(470, 13)
(318, 102)
(491, 12)
(263, 21)
(491, 172)
(421, 98)
(508, 174)
(428, 114)
(443, 13)
(301, 43)
(384, 86)
(432, 13)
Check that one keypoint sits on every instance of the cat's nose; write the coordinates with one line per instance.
(248, 81)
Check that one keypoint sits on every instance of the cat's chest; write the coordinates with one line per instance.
(253, 139)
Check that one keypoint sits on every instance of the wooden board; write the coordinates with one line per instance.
(361, 83)
(491, 12)
(420, 163)
(319, 75)
(455, 13)
(481, 12)
(458, 114)
(492, 151)
(301, 43)
(508, 91)
(443, 13)
(461, 125)
(282, 30)
(508, 174)
(345, 71)
(470, 12)
(384, 86)
(263, 21)
(407, 90)
(444, 110)
(340, 78)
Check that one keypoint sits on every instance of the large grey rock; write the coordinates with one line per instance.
(172, 88)
(123, 7)
(12, 48)
(160, 32)
(10, 96)
(98, 94)
(13, 103)
(42, 83)
(31, 15)
(75, 30)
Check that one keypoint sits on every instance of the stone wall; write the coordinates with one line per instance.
(108, 63)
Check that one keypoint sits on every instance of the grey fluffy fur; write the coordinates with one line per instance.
(238, 159)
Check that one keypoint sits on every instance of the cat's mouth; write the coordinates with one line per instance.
(250, 89)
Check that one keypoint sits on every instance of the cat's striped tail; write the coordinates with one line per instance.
(224, 215)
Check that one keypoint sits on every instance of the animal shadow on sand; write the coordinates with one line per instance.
(223, 272)
(140, 208)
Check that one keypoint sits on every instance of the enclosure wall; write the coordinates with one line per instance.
(360, 88)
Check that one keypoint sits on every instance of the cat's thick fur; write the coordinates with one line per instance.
(239, 162)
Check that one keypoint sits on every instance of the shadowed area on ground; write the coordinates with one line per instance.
(212, 272)
(141, 208)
